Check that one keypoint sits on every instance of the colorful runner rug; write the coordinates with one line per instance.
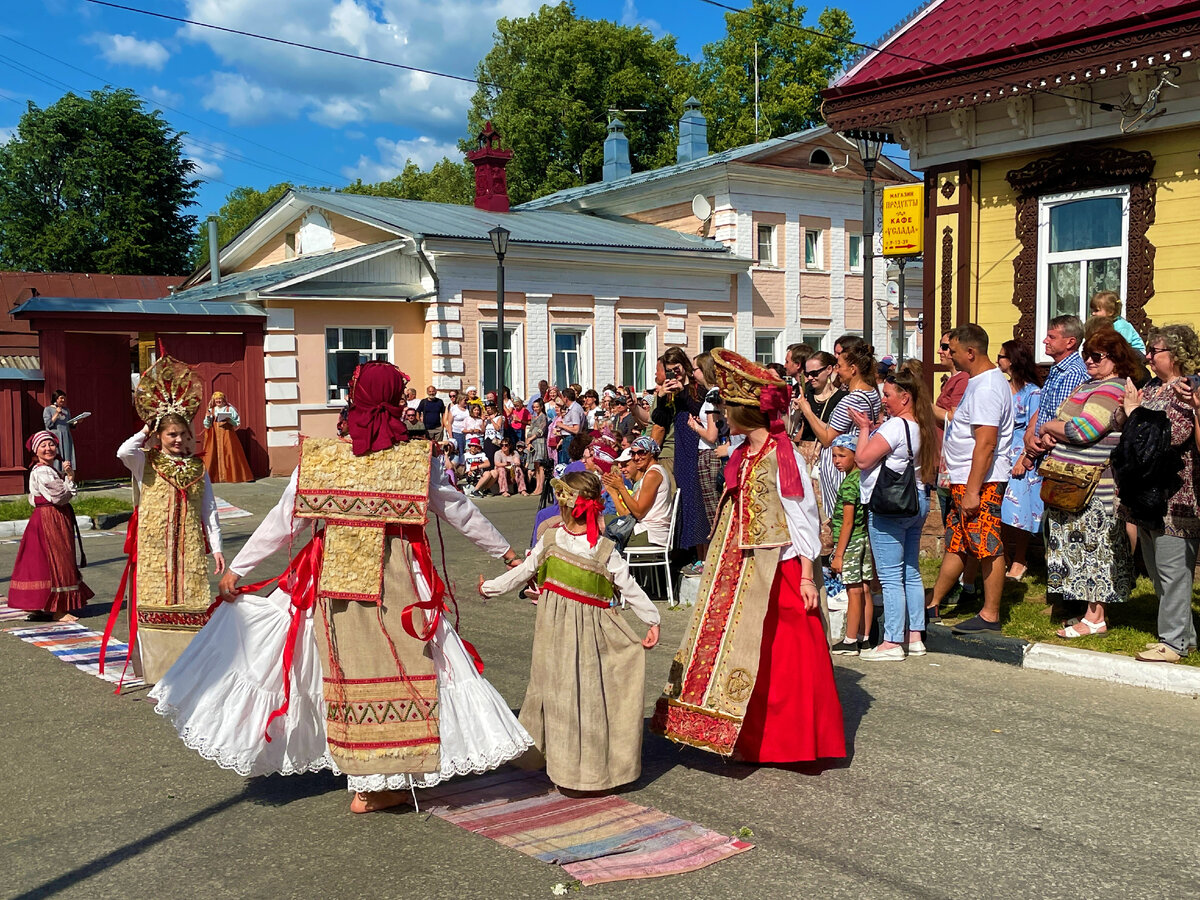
(226, 510)
(594, 839)
(72, 643)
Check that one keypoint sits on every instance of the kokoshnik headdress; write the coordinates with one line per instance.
(168, 387)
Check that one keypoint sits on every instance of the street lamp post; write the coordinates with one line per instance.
(499, 236)
(870, 143)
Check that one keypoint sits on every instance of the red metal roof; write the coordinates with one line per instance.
(950, 35)
(17, 287)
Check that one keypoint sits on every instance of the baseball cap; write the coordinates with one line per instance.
(625, 456)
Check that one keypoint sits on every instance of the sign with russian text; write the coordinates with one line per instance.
(903, 227)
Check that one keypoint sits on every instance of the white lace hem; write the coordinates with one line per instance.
(449, 769)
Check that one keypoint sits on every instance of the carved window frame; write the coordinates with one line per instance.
(1080, 168)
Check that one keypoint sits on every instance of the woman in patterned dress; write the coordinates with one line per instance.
(1021, 511)
(1088, 554)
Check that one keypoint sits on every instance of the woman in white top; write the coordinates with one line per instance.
(710, 467)
(651, 503)
(45, 578)
(458, 416)
(896, 540)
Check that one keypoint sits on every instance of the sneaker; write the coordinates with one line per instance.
(1159, 653)
(844, 648)
(916, 648)
(976, 625)
(881, 654)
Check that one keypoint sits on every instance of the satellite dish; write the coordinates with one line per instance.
(701, 208)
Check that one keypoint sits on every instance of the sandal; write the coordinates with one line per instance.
(1010, 575)
(1077, 628)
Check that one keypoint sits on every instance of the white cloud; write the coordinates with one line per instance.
(164, 97)
(630, 18)
(205, 157)
(260, 80)
(425, 151)
(127, 50)
(6, 134)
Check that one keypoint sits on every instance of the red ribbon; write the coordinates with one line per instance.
(589, 512)
(790, 479)
(129, 576)
(435, 605)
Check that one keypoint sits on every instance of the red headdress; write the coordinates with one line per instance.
(376, 415)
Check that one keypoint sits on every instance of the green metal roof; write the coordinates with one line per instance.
(543, 227)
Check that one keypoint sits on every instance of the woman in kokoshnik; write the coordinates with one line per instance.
(587, 680)
(45, 577)
(351, 663)
(753, 677)
(175, 526)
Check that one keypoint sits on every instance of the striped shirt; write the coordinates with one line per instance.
(1089, 421)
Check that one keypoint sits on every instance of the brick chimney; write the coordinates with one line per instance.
(491, 180)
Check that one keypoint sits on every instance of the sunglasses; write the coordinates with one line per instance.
(1095, 356)
(1001, 356)
(815, 372)
(945, 346)
(1151, 351)
(638, 452)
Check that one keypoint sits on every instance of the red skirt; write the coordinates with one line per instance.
(224, 458)
(45, 575)
(794, 714)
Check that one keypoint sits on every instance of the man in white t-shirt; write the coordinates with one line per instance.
(976, 450)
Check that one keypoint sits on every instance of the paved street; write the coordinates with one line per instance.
(967, 779)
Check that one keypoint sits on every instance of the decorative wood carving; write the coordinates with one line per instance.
(947, 279)
(1078, 98)
(963, 122)
(911, 133)
(1020, 113)
(947, 188)
(1079, 168)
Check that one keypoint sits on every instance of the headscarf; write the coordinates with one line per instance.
(34, 441)
(648, 444)
(847, 441)
(376, 416)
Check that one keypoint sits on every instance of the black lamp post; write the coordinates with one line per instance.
(870, 144)
(499, 236)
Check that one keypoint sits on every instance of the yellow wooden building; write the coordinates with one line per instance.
(1059, 146)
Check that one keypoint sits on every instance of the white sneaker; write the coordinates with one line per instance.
(917, 648)
(879, 654)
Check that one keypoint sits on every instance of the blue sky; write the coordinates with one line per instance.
(256, 113)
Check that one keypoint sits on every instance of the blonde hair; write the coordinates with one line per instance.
(1182, 343)
(585, 484)
(1109, 301)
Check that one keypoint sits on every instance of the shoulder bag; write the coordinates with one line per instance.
(895, 492)
(1067, 486)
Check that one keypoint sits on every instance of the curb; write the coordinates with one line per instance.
(1111, 667)
(16, 527)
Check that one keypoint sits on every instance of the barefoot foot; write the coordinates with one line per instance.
(376, 800)
(65, 618)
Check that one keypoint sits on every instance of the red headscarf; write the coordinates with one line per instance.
(772, 400)
(375, 419)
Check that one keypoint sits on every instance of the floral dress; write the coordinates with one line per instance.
(1022, 507)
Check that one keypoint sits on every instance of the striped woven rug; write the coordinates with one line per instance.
(72, 643)
(594, 839)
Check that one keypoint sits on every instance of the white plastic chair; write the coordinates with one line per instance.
(653, 555)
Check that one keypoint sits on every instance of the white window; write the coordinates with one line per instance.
(637, 349)
(572, 356)
(766, 245)
(854, 245)
(766, 347)
(814, 339)
(346, 348)
(812, 248)
(1083, 247)
(712, 338)
(513, 359)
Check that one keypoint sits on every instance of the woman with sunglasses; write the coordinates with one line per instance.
(1021, 510)
(1088, 556)
(822, 394)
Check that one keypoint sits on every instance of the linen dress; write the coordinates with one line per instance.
(586, 691)
(221, 692)
(1022, 507)
(63, 430)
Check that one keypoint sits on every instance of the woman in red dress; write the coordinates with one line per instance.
(753, 678)
(45, 578)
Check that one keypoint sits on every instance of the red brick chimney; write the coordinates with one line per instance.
(491, 181)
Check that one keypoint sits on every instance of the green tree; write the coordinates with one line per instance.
(241, 207)
(558, 75)
(446, 182)
(95, 184)
(793, 67)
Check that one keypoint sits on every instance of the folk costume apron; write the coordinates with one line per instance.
(380, 685)
(173, 596)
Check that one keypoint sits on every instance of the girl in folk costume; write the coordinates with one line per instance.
(351, 663)
(224, 458)
(176, 523)
(753, 677)
(585, 697)
(45, 578)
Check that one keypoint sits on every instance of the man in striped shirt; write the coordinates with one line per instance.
(1064, 336)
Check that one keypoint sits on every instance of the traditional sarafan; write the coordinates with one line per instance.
(753, 677)
(352, 662)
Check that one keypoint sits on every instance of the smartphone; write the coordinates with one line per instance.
(1194, 382)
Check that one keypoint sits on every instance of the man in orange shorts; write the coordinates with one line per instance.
(976, 451)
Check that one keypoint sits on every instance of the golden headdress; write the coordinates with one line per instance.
(741, 381)
(168, 387)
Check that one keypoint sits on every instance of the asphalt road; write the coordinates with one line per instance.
(967, 779)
